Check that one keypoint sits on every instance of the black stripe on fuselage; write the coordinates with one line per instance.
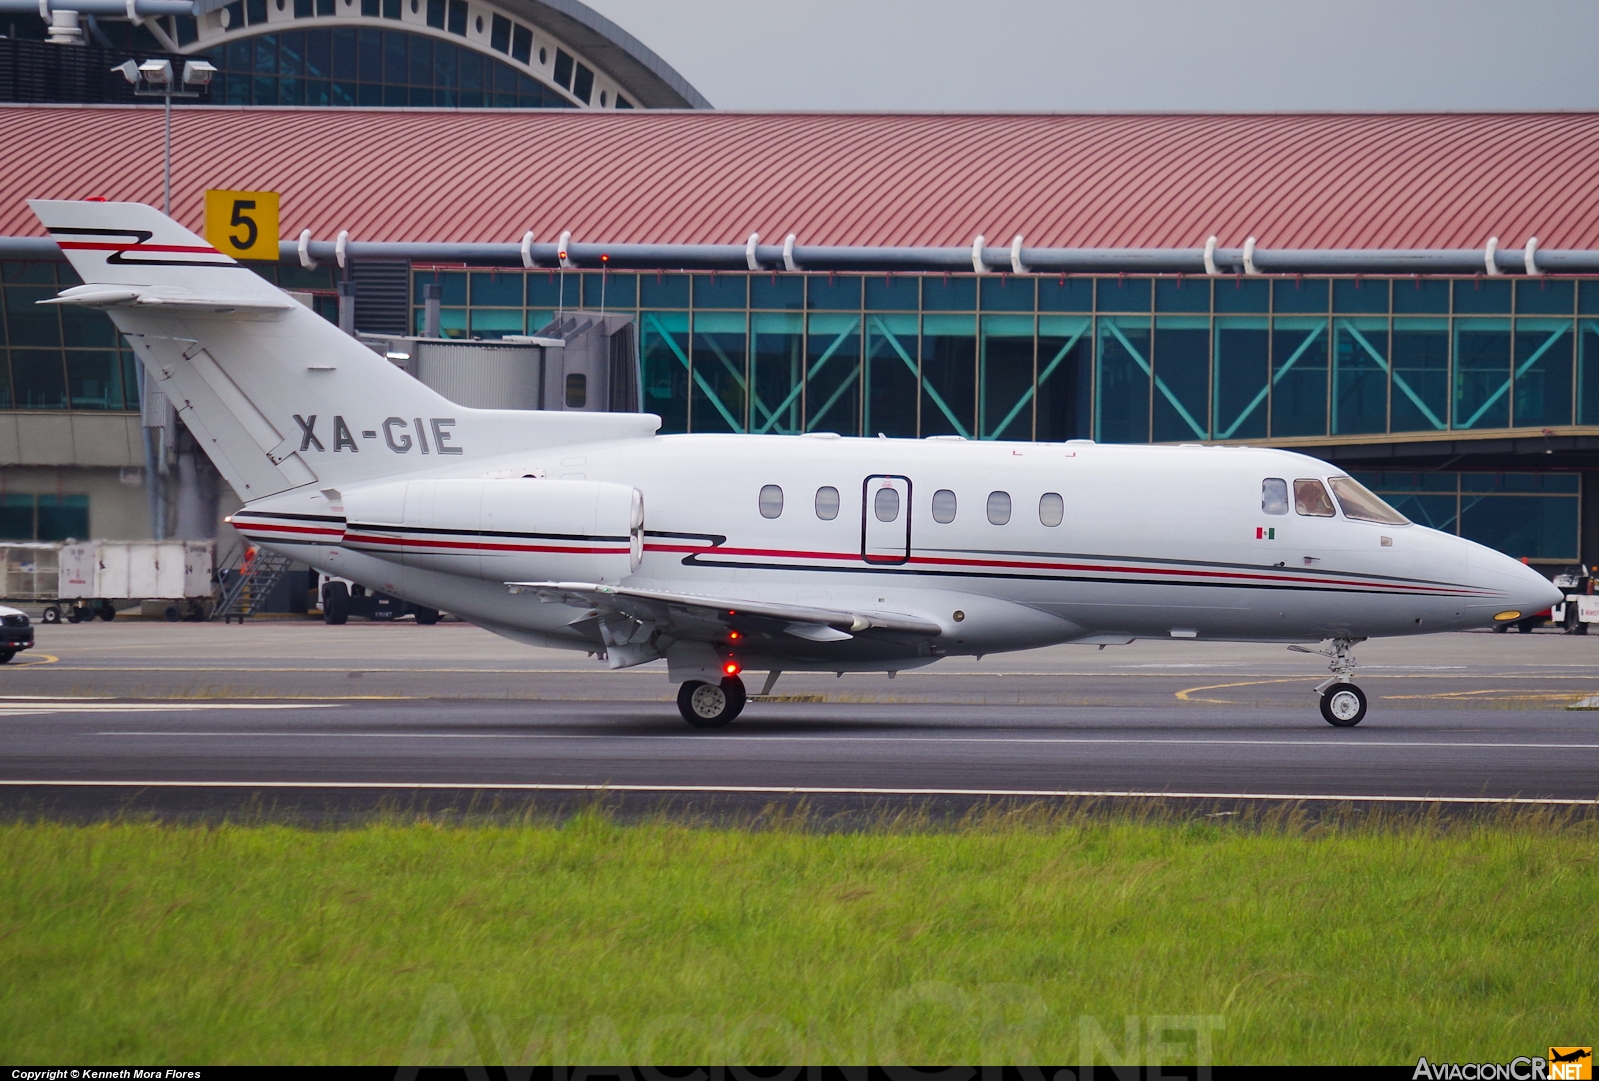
(285, 517)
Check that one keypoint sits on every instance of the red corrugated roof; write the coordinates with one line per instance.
(1291, 181)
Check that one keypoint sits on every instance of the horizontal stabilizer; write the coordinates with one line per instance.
(110, 296)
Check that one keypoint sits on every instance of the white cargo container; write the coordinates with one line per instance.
(29, 571)
(95, 573)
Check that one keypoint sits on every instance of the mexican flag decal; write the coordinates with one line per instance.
(1262, 533)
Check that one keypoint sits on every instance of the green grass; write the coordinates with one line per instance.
(1003, 939)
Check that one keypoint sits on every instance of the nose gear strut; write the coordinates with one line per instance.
(1342, 703)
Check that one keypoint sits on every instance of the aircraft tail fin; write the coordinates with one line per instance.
(277, 395)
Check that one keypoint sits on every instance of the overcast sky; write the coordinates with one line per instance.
(1076, 55)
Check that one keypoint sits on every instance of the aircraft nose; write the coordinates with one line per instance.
(1526, 590)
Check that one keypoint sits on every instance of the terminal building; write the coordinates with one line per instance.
(1414, 298)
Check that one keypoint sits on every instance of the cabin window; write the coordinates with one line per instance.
(771, 501)
(1274, 495)
(886, 504)
(1311, 499)
(998, 508)
(1363, 505)
(1051, 509)
(943, 506)
(577, 390)
(827, 503)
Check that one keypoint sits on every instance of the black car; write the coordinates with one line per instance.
(16, 633)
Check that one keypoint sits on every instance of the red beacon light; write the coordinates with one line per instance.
(732, 668)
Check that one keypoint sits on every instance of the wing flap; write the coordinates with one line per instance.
(661, 607)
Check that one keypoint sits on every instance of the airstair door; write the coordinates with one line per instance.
(886, 519)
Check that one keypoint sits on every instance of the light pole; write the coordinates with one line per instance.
(154, 79)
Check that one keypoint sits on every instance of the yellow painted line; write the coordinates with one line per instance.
(1182, 696)
(35, 660)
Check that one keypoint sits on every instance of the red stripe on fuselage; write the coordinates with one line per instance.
(466, 547)
(321, 531)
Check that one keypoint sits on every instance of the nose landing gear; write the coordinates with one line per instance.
(1343, 704)
(711, 705)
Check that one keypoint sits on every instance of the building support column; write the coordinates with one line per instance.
(1588, 525)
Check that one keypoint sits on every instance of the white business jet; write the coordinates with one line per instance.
(721, 553)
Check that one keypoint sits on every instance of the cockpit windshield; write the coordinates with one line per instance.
(1363, 505)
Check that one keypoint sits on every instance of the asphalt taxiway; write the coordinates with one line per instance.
(185, 716)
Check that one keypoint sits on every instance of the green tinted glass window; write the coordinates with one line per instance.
(1299, 377)
(1007, 293)
(1544, 351)
(949, 293)
(1360, 295)
(1123, 294)
(1182, 294)
(833, 396)
(1476, 296)
(777, 291)
(1066, 294)
(949, 375)
(1005, 360)
(1121, 399)
(1243, 375)
(1360, 375)
(1420, 364)
(1240, 294)
(1065, 378)
(1421, 296)
(891, 375)
(1181, 366)
(663, 290)
(1308, 295)
(1482, 373)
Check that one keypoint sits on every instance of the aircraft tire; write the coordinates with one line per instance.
(335, 603)
(711, 705)
(1343, 705)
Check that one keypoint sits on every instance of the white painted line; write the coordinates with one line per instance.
(702, 738)
(146, 707)
(781, 790)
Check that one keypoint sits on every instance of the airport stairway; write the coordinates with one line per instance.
(245, 583)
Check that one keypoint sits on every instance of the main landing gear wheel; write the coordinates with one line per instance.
(711, 705)
(1343, 705)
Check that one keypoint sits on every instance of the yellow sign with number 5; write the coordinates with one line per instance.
(243, 224)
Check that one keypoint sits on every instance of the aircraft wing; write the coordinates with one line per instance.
(627, 617)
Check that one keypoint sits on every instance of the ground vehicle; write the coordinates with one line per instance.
(342, 598)
(16, 633)
(1581, 606)
(532, 524)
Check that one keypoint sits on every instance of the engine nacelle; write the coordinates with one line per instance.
(521, 530)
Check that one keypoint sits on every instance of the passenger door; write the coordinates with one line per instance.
(886, 519)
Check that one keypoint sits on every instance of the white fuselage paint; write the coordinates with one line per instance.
(1154, 542)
